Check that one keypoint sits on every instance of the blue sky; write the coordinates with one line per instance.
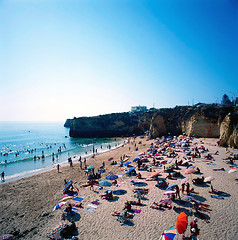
(60, 59)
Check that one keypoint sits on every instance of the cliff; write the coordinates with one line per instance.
(110, 125)
(202, 120)
(229, 130)
(68, 123)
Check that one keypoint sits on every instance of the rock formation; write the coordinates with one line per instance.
(202, 120)
(229, 130)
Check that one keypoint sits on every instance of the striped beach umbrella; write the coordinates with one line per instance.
(169, 234)
(59, 205)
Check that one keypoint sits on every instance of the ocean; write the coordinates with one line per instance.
(22, 145)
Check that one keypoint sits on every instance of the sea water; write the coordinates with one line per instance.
(22, 145)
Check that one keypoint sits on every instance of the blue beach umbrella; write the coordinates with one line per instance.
(67, 186)
(130, 169)
(136, 159)
(105, 183)
(127, 163)
(111, 177)
(90, 167)
(171, 186)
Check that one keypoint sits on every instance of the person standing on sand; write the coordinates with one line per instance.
(91, 184)
(2, 176)
(183, 187)
(85, 165)
(194, 229)
(58, 166)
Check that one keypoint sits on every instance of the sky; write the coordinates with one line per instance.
(64, 59)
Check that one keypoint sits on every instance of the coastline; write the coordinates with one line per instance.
(31, 200)
(54, 165)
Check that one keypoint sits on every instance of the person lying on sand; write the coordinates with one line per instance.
(108, 195)
(198, 180)
(124, 213)
(137, 203)
(219, 169)
(200, 206)
(142, 190)
(159, 205)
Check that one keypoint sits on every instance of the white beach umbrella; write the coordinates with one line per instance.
(209, 179)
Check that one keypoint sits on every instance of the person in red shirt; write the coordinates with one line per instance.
(194, 229)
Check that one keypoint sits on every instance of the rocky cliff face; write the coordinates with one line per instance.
(201, 120)
(110, 125)
(229, 130)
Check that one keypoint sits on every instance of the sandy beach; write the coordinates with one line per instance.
(27, 204)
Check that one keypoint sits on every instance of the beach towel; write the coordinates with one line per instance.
(216, 196)
(74, 209)
(136, 210)
(92, 206)
(77, 199)
(96, 202)
(90, 210)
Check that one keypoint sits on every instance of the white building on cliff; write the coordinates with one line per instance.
(136, 109)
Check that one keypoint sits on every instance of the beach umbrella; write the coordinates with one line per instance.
(156, 155)
(232, 170)
(154, 174)
(66, 199)
(171, 186)
(169, 234)
(181, 223)
(59, 205)
(170, 192)
(111, 177)
(7, 237)
(189, 171)
(127, 163)
(185, 161)
(187, 198)
(105, 183)
(184, 180)
(136, 159)
(130, 169)
(90, 167)
(209, 179)
(67, 186)
(140, 154)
